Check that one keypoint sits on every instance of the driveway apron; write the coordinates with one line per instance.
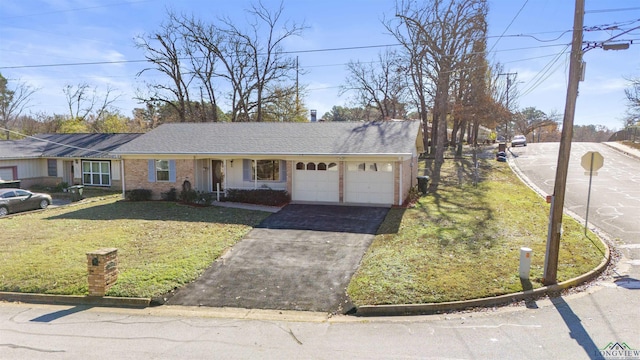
(300, 258)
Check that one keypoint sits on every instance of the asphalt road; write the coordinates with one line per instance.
(570, 327)
(615, 191)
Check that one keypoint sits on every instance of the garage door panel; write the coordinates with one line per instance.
(371, 183)
(6, 174)
(315, 185)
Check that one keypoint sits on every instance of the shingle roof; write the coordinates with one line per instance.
(65, 145)
(330, 138)
(19, 149)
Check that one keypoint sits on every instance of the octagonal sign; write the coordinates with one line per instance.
(592, 161)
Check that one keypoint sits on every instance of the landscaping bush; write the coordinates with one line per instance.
(205, 198)
(259, 196)
(171, 195)
(189, 196)
(138, 195)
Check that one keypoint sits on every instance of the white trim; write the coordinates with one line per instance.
(400, 181)
(122, 178)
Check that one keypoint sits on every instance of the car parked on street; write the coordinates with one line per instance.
(519, 140)
(17, 200)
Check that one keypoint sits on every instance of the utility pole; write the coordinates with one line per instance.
(557, 200)
(297, 88)
(506, 125)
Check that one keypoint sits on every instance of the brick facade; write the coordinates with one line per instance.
(136, 173)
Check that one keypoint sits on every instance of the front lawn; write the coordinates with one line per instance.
(161, 245)
(464, 242)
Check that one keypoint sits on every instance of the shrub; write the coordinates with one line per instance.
(171, 195)
(60, 187)
(189, 196)
(205, 198)
(138, 195)
(259, 196)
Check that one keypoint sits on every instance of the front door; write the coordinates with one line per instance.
(217, 175)
(67, 175)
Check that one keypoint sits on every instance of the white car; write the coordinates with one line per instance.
(519, 140)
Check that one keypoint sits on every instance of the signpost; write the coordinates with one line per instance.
(591, 162)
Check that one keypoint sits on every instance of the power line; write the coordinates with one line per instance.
(508, 26)
(610, 10)
(287, 52)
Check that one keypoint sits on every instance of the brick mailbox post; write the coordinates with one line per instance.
(103, 270)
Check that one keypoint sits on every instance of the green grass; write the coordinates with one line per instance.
(464, 242)
(460, 243)
(161, 245)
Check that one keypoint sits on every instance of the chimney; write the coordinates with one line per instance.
(313, 116)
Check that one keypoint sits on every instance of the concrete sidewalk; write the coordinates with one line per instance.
(628, 150)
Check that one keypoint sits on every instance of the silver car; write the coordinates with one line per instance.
(519, 140)
(16, 200)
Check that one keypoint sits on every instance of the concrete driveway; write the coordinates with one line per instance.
(300, 258)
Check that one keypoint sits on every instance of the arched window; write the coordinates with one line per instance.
(322, 166)
(311, 166)
(333, 167)
(300, 166)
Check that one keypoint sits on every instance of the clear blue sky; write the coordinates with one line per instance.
(73, 31)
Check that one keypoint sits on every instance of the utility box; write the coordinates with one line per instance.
(525, 262)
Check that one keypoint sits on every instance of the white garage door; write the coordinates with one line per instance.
(6, 174)
(369, 183)
(316, 181)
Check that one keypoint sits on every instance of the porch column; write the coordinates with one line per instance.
(255, 174)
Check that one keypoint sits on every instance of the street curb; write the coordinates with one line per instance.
(433, 308)
(106, 301)
(621, 150)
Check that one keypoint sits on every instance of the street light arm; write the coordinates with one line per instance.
(588, 47)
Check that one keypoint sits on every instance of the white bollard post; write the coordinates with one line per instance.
(525, 262)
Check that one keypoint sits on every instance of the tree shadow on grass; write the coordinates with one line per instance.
(455, 201)
(163, 211)
(391, 223)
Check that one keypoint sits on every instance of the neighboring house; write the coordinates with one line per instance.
(49, 159)
(318, 162)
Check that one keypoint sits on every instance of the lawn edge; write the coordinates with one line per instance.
(102, 301)
(433, 308)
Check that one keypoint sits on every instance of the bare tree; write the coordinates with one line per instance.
(270, 67)
(633, 99)
(165, 49)
(12, 103)
(443, 31)
(84, 102)
(195, 55)
(381, 85)
(530, 119)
